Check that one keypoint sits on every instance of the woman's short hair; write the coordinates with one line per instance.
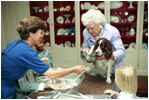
(92, 15)
(126, 79)
(29, 24)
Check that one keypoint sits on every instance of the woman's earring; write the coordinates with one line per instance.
(100, 27)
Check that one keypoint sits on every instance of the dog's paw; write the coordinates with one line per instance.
(88, 70)
(108, 81)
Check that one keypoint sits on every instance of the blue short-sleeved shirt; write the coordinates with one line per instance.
(16, 59)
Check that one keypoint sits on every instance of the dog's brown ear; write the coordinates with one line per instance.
(108, 50)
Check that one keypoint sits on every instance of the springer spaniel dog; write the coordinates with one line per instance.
(101, 67)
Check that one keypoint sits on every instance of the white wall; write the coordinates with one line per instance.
(11, 14)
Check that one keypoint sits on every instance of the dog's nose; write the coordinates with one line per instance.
(97, 52)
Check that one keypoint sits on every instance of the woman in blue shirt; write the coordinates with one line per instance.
(96, 27)
(19, 56)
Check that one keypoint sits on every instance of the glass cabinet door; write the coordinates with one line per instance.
(145, 27)
(64, 23)
(84, 7)
(124, 17)
(41, 9)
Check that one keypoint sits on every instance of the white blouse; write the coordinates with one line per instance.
(126, 95)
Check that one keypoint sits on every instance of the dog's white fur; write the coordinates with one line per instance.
(100, 67)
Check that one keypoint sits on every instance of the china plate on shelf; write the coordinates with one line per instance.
(94, 7)
(113, 5)
(67, 44)
(82, 6)
(144, 46)
(131, 18)
(68, 8)
(47, 44)
(101, 5)
(60, 19)
(132, 46)
(145, 31)
(66, 31)
(115, 19)
(46, 8)
(60, 31)
(87, 5)
(62, 9)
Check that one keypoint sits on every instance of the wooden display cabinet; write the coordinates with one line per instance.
(41, 9)
(66, 38)
(64, 23)
(126, 23)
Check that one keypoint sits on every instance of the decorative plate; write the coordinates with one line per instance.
(66, 31)
(113, 5)
(67, 8)
(145, 31)
(73, 45)
(115, 19)
(94, 7)
(87, 5)
(60, 19)
(47, 44)
(132, 46)
(82, 6)
(62, 9)
(101, 5)
(60, 31)
(46, 8)
(67, 44)
(131, 18)
(144, 46)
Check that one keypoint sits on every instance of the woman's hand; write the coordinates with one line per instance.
(45, 59)
(108, 91)
(79, 69)
(86, 50)
(113, 94)
(55, 86)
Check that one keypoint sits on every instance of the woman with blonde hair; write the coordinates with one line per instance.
(126, 80)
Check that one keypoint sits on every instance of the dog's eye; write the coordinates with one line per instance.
(101, 44)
